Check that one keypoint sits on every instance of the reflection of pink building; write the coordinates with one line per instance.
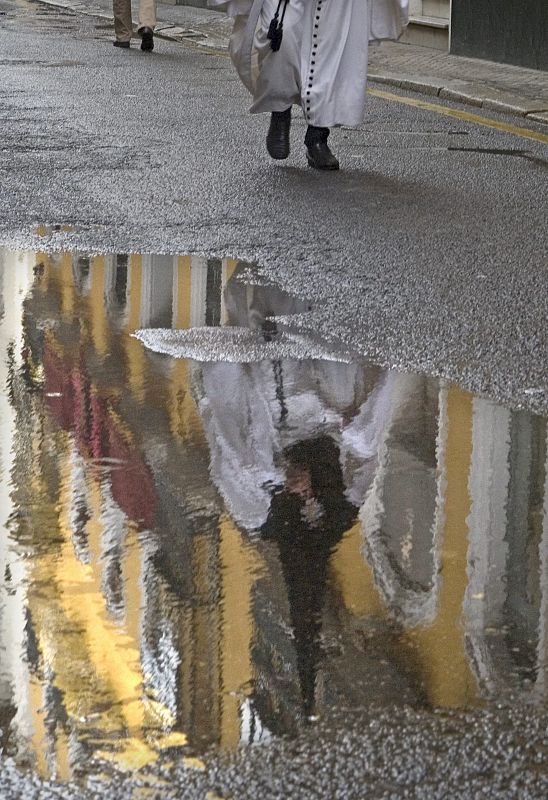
(78, 408)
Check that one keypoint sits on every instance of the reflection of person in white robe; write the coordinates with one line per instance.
(255, 413)
(287, 438)
(311, 53)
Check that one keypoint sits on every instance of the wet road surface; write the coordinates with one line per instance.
(205, 553)
(340, 568)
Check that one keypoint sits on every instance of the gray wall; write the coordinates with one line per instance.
(509, 31)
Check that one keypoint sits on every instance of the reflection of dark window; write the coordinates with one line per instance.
(416, 429)
(524, 533)
(120, 286)
(213, 291)
(54, 707)
(113, 585)
(7, 714)
(79, 535)
(31, 641)
(83, 266)
(81, 271)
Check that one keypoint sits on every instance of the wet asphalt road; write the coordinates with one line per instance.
(423, 256)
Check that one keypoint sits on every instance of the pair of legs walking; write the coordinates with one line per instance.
(320, 64)
(318, 154)
(123, 26)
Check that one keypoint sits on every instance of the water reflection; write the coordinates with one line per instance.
(201, 553)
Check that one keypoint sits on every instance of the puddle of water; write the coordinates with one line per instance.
(205, 552)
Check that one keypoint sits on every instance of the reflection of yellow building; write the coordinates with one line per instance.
(93, 659)
(145, 634)
(431, 639)
(439, 646)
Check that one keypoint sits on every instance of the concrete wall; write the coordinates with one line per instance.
(508, 31)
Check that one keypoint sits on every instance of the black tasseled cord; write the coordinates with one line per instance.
(276, 27)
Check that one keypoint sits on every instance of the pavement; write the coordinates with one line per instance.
(496, 87)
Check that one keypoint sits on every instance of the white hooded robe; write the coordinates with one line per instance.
(322, 61)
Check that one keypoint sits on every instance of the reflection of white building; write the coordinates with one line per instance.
(402, 516)
(507, 592)
(16, 276)
(458, 544)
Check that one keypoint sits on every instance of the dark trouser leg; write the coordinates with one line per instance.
(315, 134)
(318, 153)
(277, 138)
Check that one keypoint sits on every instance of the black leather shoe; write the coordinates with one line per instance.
(147, 39)
(277, 138)
(120, 44)
(320, 156)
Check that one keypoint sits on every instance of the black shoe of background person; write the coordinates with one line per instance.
(120, 44)
(277, 138)
(318, 154)
(147, 39)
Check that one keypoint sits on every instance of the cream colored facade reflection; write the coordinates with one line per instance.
(509, 502)
(428, 605)
(439, 644)
(16, 278)
(395, 521)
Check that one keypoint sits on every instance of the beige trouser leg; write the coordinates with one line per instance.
(147, 14)
(122, 20)
(123, 27)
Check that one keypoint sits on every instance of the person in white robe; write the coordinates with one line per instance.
(310, 53)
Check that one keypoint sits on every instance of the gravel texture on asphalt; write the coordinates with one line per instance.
(377, 753)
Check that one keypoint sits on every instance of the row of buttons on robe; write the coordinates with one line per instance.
(313, 59)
